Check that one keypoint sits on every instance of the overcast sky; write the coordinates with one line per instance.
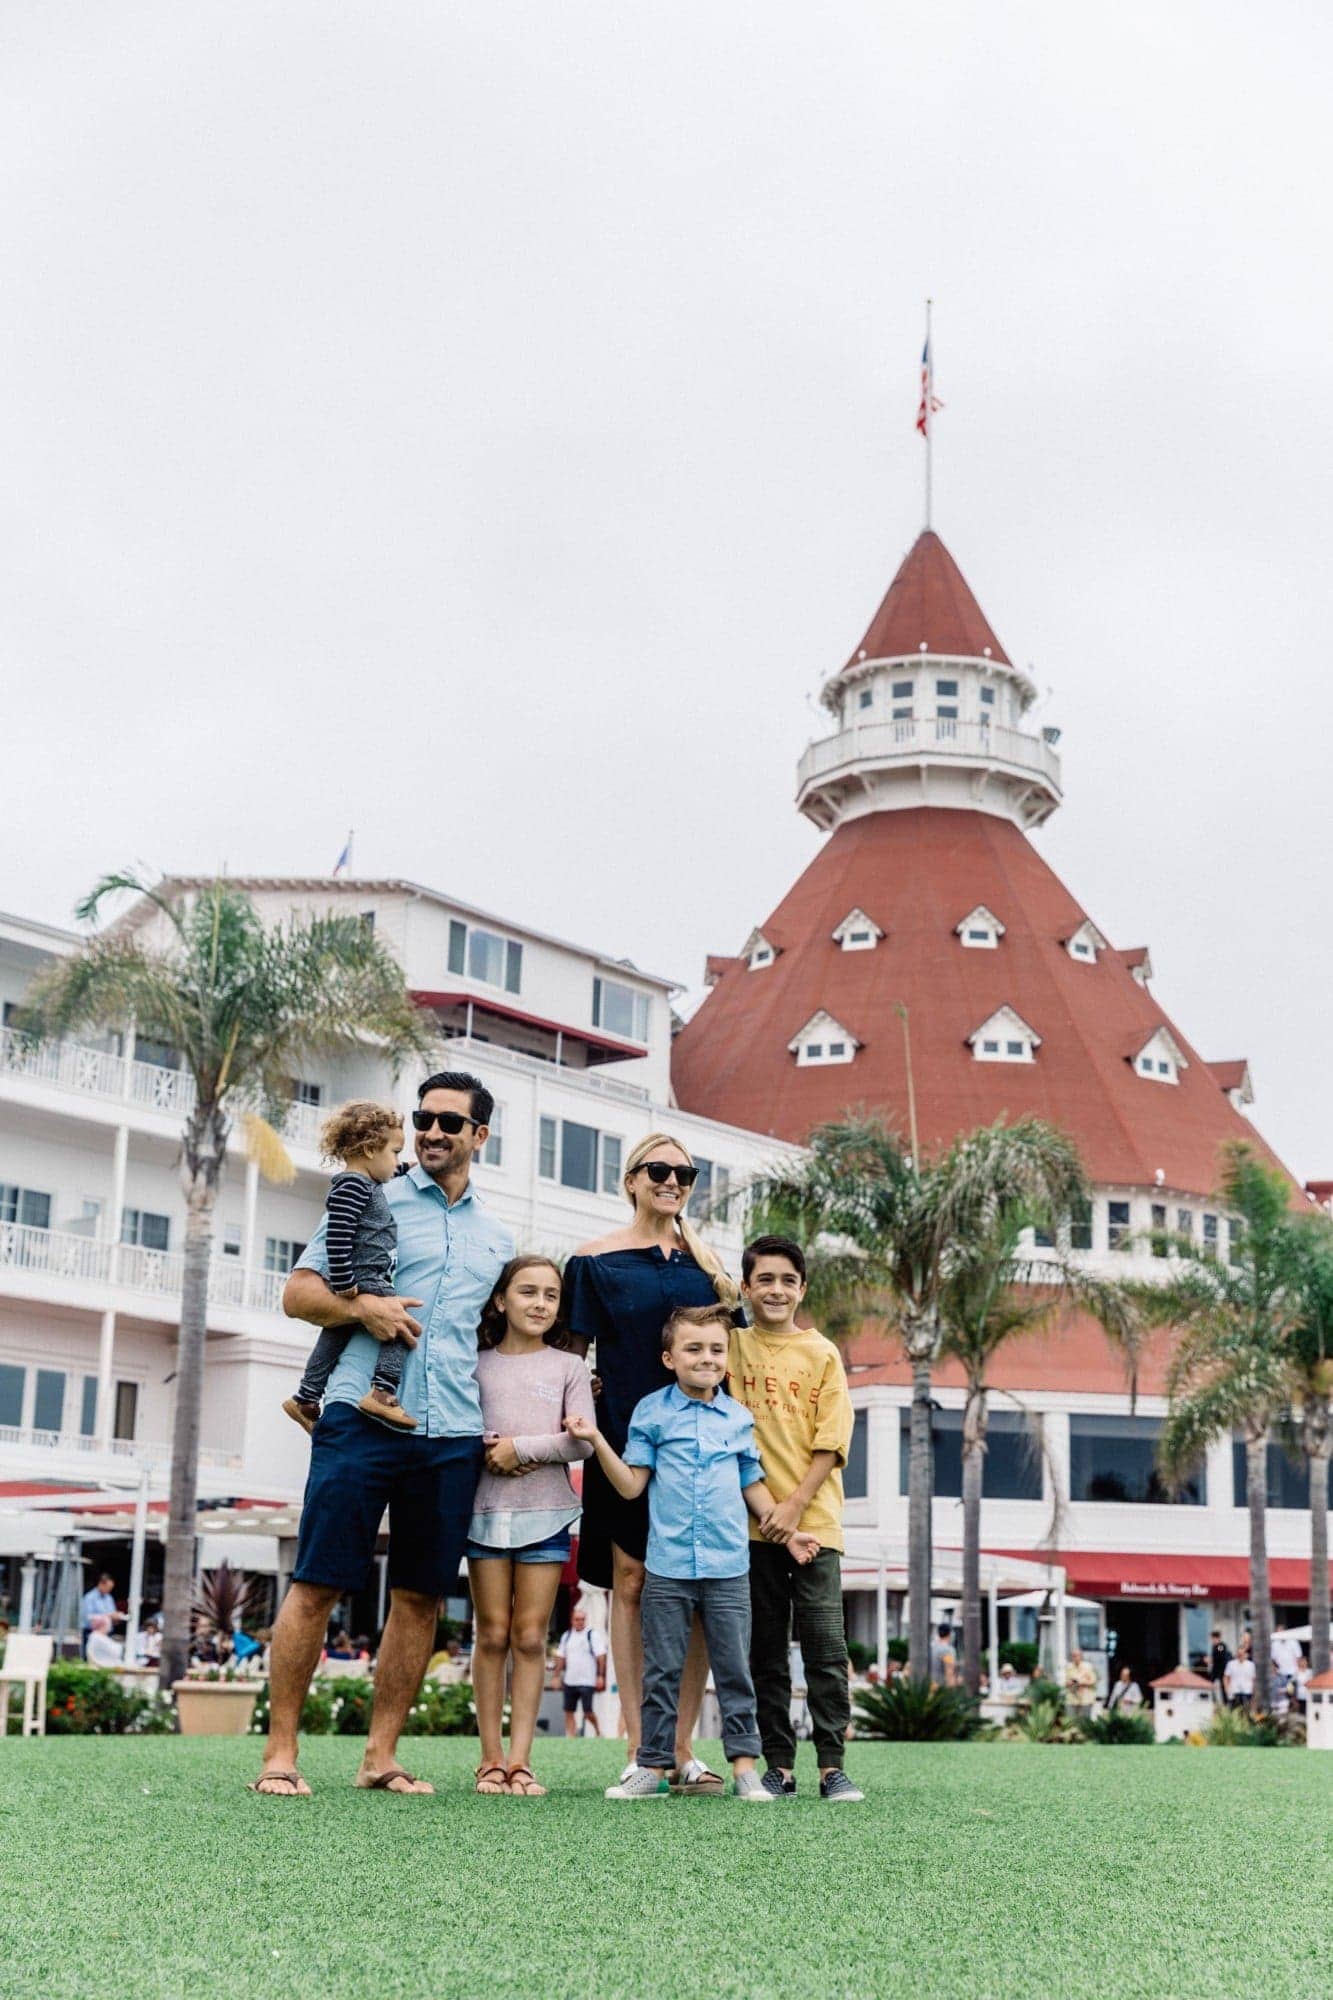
(484, 425)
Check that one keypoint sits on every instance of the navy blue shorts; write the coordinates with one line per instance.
(357, 1469)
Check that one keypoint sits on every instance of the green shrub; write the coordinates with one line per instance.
(1118, 1726)
(89, 1701)
(442, 1711)
(1044, 1721)
(860, 1655)
(916, 1711)
(1020, 1654)
(898, 1649)
(342, 1708)
(1233, 1729)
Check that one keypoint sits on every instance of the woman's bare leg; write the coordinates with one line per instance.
(492, 1584)
(535, 1586)
(627, 1577)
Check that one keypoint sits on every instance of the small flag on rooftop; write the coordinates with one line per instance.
(930, 402)
(344, 859)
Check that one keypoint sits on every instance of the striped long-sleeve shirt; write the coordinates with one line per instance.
(362, 1238)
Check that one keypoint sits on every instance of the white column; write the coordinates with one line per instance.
(1221, 1495)
(27, 1593)
(993, 1635)
(135, 1603)
(120, 1158)
(248, 1227)
(106, 1363)
(882, 1620)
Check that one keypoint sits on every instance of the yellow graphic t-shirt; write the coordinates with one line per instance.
(795, 1388)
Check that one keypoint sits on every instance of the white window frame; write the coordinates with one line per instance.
(1160, 1060)
(857, 932)
(813, 1046)
(512, 953)
(639, 1008)
(979, 930)
(1084, 944)
(609, 1166)
(757, 951)
(1005, 1038)
(142, 1215)
(492, 1153)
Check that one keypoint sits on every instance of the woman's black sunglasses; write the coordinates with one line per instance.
(659, 1173)
(448, 1121)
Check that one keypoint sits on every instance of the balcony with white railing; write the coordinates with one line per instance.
(492, 1056)
(86, 1072)
(111, 1269)
(137, 1451)
(861, 762)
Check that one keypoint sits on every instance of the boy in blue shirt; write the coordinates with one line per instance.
(692, 1446)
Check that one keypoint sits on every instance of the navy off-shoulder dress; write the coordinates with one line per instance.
(621, 1301)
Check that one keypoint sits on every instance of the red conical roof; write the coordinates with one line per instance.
(917, 873)
(928, 603)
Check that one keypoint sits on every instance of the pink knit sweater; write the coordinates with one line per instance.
(527, 1397)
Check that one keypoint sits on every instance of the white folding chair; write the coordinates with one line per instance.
(27, 1660)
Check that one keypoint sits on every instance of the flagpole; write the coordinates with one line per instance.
(930, 426)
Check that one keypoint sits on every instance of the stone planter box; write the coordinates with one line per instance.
(215, 1708)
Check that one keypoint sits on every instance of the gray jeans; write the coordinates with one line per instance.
(667, 1610)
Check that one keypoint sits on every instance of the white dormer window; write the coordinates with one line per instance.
(823, 1040)
(1085, 943)
(980, 930)
(757, 951)
(1161, 1058)
(1140, 965)
(857, 932)
(1006, 1037)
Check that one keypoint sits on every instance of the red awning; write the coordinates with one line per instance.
(1097, 1573)
(482, 1004)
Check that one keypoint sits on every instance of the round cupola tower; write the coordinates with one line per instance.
(929, 711)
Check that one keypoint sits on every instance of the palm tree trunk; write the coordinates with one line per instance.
(974, 1460)
(200, 1172)
(919, 1482)
(1319, 1593)
(1261, 1603)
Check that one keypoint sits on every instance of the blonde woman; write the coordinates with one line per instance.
(619, 1293)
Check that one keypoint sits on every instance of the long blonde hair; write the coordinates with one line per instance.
(707, 1259)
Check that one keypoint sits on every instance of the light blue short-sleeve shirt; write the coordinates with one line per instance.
(702, 1456)
(449, 1256)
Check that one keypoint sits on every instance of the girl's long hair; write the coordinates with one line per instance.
(492, 1325)
(705, 1257)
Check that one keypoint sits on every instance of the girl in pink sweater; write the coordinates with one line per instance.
(525, 1507)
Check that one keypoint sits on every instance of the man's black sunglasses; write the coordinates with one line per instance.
(659, 1173)
(448, 1121)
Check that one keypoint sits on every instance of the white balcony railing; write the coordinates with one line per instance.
(98, 1073)
(490, 1055)
(142, 1451)
(59, 1253)
(931, 737)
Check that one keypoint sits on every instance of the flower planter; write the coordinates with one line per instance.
(215, 1708)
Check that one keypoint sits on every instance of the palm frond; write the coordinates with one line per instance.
(265, 1148)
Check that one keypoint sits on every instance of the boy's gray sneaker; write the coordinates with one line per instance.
(638, 1783)
(777, 1786)
(839, 1789)
(751, 1786)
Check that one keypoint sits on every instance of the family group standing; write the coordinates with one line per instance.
(712, 1495)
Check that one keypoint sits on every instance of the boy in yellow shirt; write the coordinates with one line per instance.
(792, 1381)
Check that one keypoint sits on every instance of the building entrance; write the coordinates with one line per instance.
(1144, 1637)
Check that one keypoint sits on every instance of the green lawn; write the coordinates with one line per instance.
(142, 1868)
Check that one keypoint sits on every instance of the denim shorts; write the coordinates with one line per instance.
(358, 1468)
(555, 1549)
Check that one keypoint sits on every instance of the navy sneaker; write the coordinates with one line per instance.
(838, 1788)
(777, 1786)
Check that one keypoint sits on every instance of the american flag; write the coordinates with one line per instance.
(930, 402)
(344, 859)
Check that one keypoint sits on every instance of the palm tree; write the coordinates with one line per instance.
(1312, 1365)
(885, 1232)
(995, 1294)
(243, 1004)
(1232, 1369)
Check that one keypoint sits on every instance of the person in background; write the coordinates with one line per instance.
(1238, 1680)
(1080, 1684)
(1286, 1657)
(581, 1658)
(150, 1639)
(1219, 1655)
(102, 1650)
(1126, 1694)
(99, 1602)
(943, 1658)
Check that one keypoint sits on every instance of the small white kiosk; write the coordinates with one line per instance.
(1319, 1712)
(1182, 1701)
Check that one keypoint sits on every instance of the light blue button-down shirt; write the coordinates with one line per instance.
(702, 1458)
(449, 1257)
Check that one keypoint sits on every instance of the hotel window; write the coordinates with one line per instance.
(492, 1153)
(1235, 1239)
(1115, 1459)
(157, 1054)
(711, 1189)
(1011, 1465)
(1210, 1236)
(88, 1407)
(305, 1092)
(1080, 1225)
(281, 1253)
(48, 1409)
(856, 1472)
(367, 920)
(11, 1395)
(902, 690)
(902, 715)
(1117, 1224)
(579, 1156)
(619, 1010)
(484, 956)
(125, 1416)
(232, 1239)
(1185, 1223)
(988, 697)
(143, 1228)
(866, 698)
(1288, 1482)
(1159, 1245)
(841, 1049)
(26, 1206)
(946, 687)
(1042, 1238)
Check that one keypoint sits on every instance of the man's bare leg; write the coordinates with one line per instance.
(399, 1670)
(298, 1640)
(627, 1577)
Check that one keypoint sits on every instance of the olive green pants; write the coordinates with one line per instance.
(807, 1596)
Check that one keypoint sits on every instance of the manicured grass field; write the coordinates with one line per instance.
(142, 1868)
